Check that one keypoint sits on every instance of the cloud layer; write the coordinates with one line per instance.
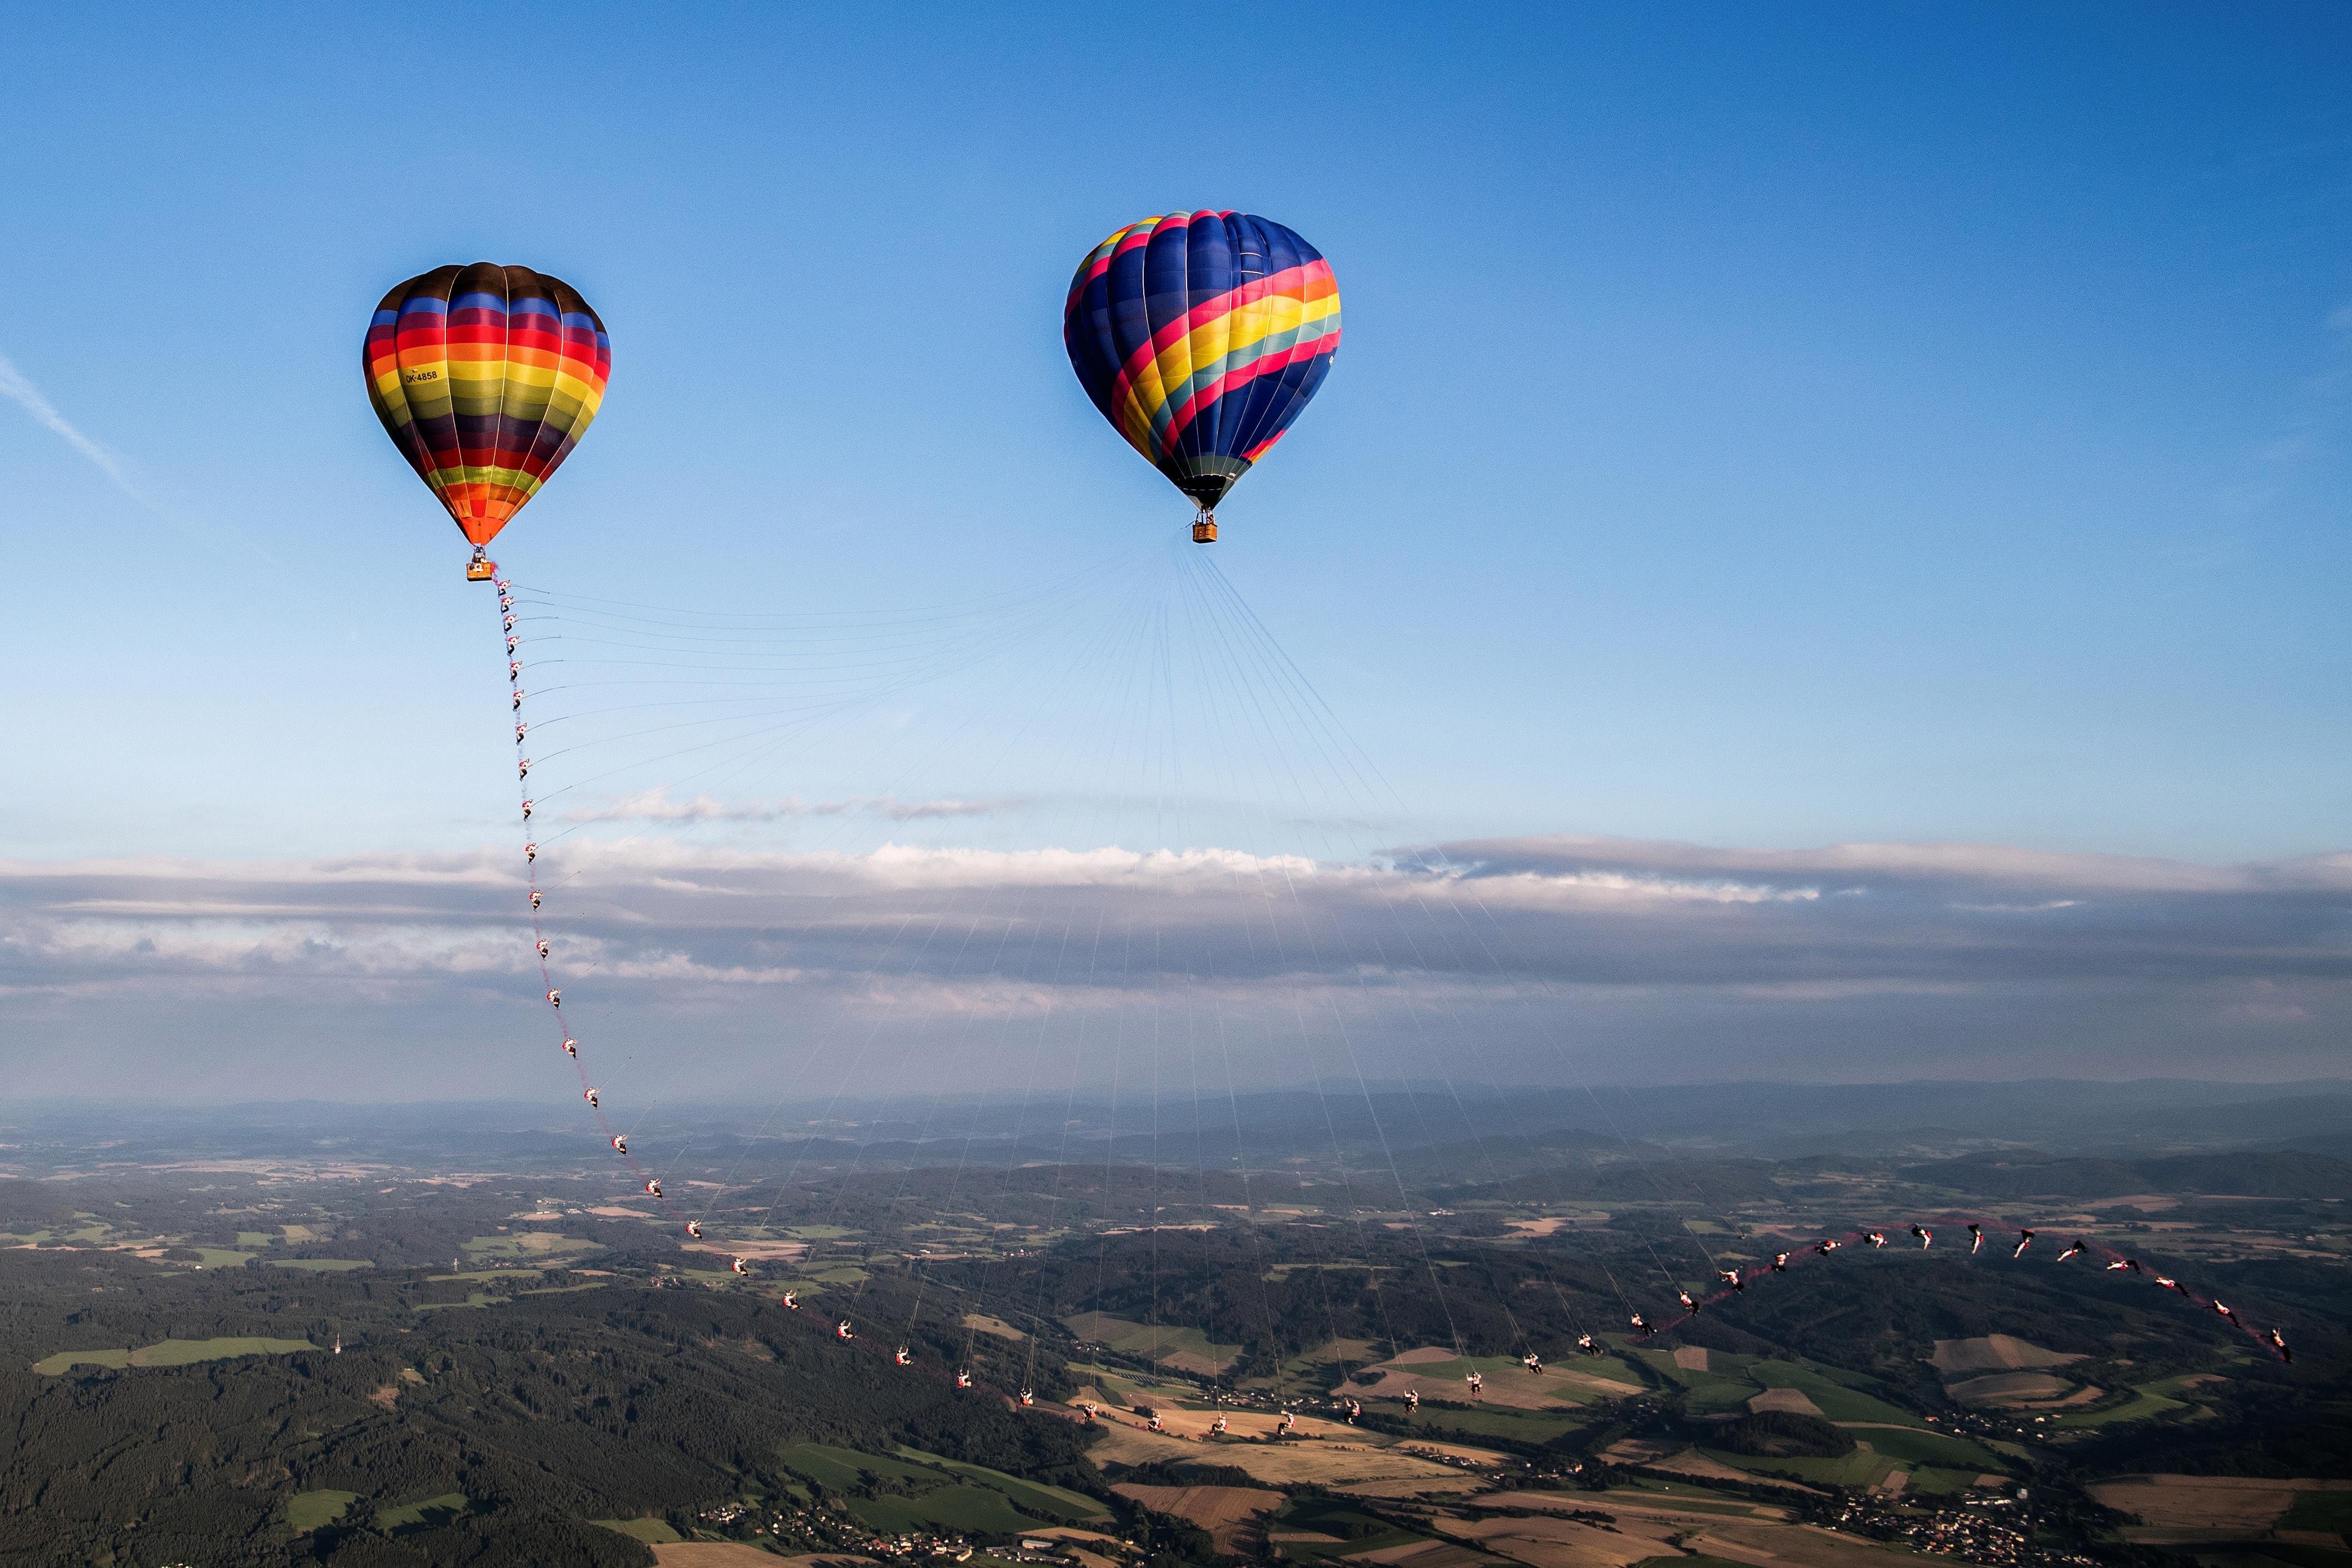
(1553, 960)
(656, 806)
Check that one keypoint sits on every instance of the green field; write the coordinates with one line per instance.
(255, 1237)
(1049, 1502)
(837, 1469)
(476, 1298)
(1859, 1469)
(962, 1507)
(1938, 1482)
(321, 1265)
(1494, 1421)
(308, 1511)
(221, 1257)
(423, 1512)
(1164, 1343)
(946, 1493)
(1913, 1447)
(169, 1352)
(526, 1244)
(2144, 1402)
(652, 1531)
(2320, 1510)
(1359, 1531)
(1837, 1401)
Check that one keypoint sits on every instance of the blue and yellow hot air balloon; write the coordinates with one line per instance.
(1200, 336)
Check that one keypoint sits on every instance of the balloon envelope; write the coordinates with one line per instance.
(1200, 336)
(485, 378)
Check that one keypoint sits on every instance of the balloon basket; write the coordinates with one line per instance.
(482, 569)
(1204, 529)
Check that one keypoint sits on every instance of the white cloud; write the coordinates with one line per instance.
(1555, 955)
(656, 806)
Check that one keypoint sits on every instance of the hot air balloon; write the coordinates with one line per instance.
(485, 378)
(1200, 336)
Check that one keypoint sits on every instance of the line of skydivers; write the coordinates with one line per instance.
(1734, 1280)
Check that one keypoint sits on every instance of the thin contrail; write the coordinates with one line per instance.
(14, 384)
(18, 388)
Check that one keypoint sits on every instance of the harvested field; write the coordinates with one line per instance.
(1416, 1554)
(985, 1324)
(1678, 1460)
(1691, 1358)
(1436, 1450)
(1795, 1400)
(757, 1251)
(1759, 1533)
(1564, 1542)
(728, 1554)
(1241, 1426)
(1286, 1463)
(1994, 1353)
(1438, 1376)
(1746, 1541)
(2009, 1388)
(2189, 1510)
(1552, 1225)
(1229, 1514)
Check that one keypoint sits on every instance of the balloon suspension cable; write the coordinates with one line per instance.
(648, 1184)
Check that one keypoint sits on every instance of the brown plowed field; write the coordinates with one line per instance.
(1229, 1514)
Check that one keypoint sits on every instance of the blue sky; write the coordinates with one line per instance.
(1759, 427)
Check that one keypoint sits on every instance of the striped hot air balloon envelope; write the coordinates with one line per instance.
(1200, 336)
(485, 378)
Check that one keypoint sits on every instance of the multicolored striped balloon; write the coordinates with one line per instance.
(485, 378)
(1200, 336)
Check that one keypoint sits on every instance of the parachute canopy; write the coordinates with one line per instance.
(1200, 336)
(485, 378)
